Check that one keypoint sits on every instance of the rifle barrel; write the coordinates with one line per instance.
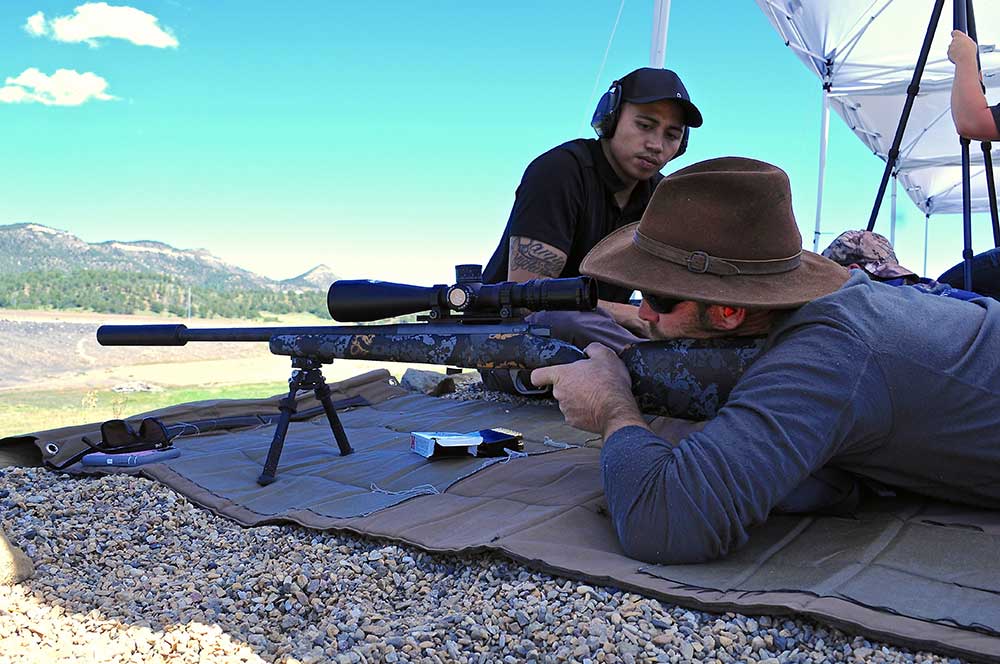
(179, 334)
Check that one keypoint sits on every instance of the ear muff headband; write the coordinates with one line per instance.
(605, 118)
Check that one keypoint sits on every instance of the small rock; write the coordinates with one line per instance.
(427, 382)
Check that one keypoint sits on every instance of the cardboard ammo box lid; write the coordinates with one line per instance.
(486, 442)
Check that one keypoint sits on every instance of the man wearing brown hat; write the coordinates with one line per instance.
(842, 382)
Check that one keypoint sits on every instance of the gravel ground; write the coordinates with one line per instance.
(129, 571)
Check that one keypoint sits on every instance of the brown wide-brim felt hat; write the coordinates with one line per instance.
(720, 231)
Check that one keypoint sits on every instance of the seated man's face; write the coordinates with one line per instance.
(646, 137)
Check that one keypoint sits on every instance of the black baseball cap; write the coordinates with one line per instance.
(648, 84)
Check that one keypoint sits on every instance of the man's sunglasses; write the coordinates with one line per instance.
(659, 304)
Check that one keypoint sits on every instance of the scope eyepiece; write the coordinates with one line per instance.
(366, 300)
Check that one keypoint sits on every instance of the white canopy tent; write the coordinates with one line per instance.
(864, 53)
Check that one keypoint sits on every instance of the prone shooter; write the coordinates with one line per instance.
(471, 325)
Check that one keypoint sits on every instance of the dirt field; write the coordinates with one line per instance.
(59, 350)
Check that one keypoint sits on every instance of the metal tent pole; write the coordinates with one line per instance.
(961, 23)
(911, 94)
(661, 21)
(927, 220)
(824, 136)
(892, 226)
(991, 186)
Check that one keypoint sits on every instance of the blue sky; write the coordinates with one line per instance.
(385, 139)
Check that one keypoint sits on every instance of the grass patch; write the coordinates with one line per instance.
(27, 411)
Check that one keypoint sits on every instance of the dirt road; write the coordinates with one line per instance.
(60, 350)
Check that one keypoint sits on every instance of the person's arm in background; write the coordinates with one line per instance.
(543, 222)
(533, 259)
(969, 108)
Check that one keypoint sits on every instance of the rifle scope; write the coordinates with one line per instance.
(367, 300)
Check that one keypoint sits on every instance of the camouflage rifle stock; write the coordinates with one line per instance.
(685, 378)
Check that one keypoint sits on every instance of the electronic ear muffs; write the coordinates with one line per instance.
(606, 114)
(682, 148)
(605, 118)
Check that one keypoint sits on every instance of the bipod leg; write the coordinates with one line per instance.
(287, 408)
(322, 391)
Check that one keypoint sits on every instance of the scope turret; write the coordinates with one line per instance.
(366, 300)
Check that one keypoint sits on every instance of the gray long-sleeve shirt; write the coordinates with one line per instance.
(883, 382)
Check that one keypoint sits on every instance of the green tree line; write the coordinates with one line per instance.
(108, 291)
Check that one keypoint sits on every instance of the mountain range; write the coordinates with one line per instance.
(29, 247)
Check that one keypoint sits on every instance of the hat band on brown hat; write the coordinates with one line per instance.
(700, 262)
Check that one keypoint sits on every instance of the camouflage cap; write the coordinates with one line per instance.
(871, 251)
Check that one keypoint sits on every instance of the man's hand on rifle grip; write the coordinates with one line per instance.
(594, 394)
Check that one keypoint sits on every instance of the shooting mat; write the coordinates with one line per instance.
(918, 573)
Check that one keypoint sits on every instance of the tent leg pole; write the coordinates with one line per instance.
(892, 227)
(966, 216)
(991, 187)
(911, 95)
(927, 220)
(961, 22)
(824, 136)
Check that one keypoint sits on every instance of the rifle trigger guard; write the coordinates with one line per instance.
(524, 386)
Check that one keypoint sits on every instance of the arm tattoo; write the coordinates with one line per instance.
(533, 256)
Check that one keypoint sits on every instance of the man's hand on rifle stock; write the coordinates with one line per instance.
(594, 394)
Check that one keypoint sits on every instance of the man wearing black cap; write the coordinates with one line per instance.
(579, 192)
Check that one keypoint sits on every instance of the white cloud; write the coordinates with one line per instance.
(66, 87)
(98, 20)
(36, 24)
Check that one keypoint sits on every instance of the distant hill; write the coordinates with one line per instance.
(319, 277)
(31, 247)
(42, 267)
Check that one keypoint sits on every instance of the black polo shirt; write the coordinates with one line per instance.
(567, 199)
(996, 115)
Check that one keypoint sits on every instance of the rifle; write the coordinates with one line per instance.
(471, 325)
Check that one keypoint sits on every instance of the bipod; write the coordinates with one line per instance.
(306, 375)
